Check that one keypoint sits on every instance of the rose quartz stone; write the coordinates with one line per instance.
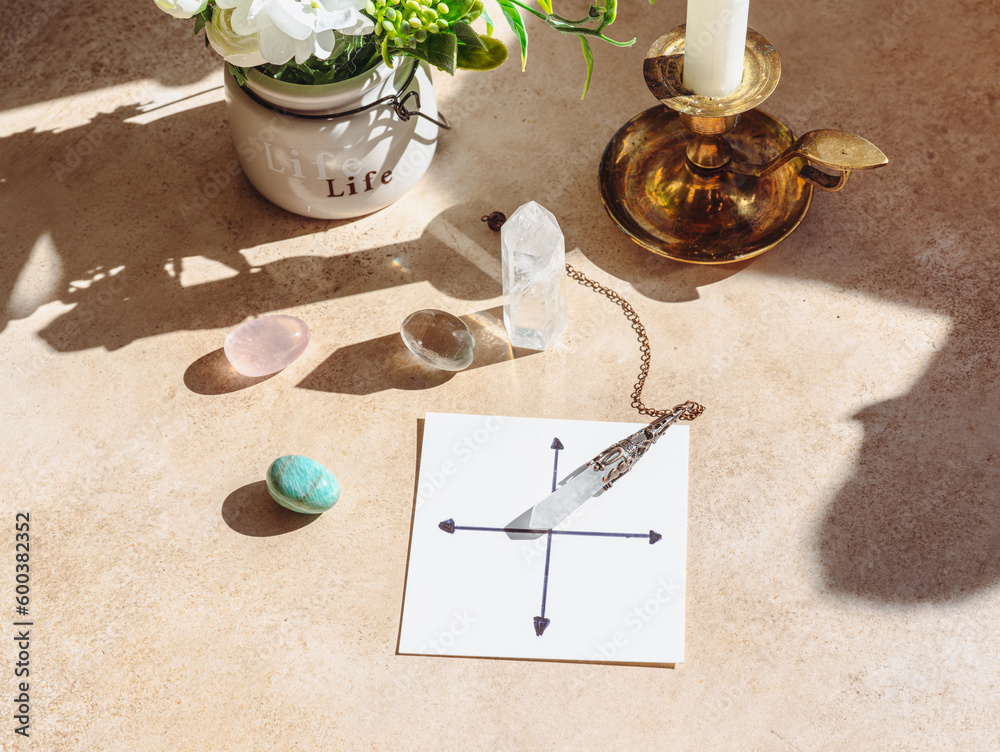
(266, 345)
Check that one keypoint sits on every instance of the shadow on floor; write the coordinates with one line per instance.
(99, 46)
(109, 235)
(213, 374)
(919, 520)
(251, 511)
(384, 362)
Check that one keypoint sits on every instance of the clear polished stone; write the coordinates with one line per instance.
(266, 345)
(439, 339)
(534, 277)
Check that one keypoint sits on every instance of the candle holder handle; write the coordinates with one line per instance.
(713, 180)
(838, 151)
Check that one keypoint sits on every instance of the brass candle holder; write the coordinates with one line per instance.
(715, 180)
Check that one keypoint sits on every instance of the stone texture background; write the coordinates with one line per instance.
(844, 536)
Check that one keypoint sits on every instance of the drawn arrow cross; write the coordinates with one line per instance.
(541, 622)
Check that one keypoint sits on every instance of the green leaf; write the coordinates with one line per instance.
(462, 10)
(588, 56)
(201, 19)
(443, 51)
(611, 12)
(513, 17)
(238, 73)
(471, 12)
(440, 50)
(546, 5)
(493, 55)
(352, 56)
(467, 35)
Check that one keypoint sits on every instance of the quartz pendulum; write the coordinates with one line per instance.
(266, 345)
(575, 490)
(439, 339)
(534, 277)
(579, 488)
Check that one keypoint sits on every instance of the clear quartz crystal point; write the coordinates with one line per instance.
(567, 499)
(534, 277)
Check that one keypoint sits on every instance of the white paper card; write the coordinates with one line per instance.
(478, 593)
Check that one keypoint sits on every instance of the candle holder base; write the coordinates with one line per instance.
(670, 207)
(714, 180)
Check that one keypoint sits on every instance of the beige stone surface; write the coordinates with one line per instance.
(844, 534)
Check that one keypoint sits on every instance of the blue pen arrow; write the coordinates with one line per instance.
(540, 621)
(449, 526)
(557, 445)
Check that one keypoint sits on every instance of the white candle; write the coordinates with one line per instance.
(713, 46)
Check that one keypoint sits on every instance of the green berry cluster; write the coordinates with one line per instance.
(405, 23)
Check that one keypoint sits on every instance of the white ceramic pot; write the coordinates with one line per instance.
(305, 161)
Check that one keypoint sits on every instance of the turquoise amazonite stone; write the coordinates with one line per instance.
(302, 485)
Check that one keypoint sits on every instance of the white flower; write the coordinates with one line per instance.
(297, 28)
(238, 49)
(182, 8)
